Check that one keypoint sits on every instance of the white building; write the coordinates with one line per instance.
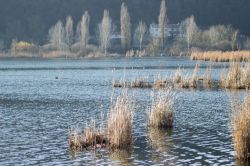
(171, 30)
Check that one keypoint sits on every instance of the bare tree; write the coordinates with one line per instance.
(190, 30)
(214, 35)
(105, 31)
(69, 33)
(125, 27)
(57, 35)
(162, 22)
(234, 36)
(84, 30)
(140, 33)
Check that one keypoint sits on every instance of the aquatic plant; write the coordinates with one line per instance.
(178, 76)
(90, 137)
(240, 121)
(161, 114)
(140, 82)
(207, 78)
(120, 122)
(220, 56)
(194, 78)
(238, 76)
(120, 84)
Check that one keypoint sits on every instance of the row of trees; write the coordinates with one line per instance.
(62, 37)
(216, 37)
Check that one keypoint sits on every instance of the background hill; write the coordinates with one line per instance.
(30, 19)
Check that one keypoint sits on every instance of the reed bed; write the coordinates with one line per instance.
(163, 83)
(237, 77)
(161, 114)
(141, 82)
(119, 84)
(177, 76)
(220, 56)
(90, 137)
(240, 121)
(207, 78)
(120, 122)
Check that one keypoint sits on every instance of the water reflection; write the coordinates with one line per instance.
(161, 142)
(121, 156)
(160, 139)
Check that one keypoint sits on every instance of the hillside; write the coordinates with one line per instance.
(30, 19)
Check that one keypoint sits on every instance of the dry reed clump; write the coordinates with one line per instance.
(119, 84)
(240, 120)
(178, 76)
(207, 78)
(120, 122)
(190, 82)
(161, 114)
(219, 56)
(222, 79)
(238, 77)
(162, 83)
(141, 82)
(194, 78)
(90, 137)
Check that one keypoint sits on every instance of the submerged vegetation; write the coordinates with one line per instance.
(240, 120)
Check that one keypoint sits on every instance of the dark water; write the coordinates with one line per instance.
(36, 111)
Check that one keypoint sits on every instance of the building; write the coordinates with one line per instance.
(171, 30)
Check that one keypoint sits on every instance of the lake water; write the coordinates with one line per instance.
(36, 111)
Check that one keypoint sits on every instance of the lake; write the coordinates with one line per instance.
(41, 99)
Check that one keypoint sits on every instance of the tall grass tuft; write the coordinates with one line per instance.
(177, 76)
(120, 122)
(161, 114)
(140, 82)
(240, 120)
(207, 79)
(90, 137)
(238, 76)
(194, 78)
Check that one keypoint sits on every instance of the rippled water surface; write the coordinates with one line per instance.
(36, 111)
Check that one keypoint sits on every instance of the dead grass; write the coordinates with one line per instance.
(141, 82)
(119, 84)
(219, 56)
(240, 120)
(207, 78)
(161, 114)
(194, 78)
(89, 138)
(237, 77)
(178, 76)
(120, 122)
